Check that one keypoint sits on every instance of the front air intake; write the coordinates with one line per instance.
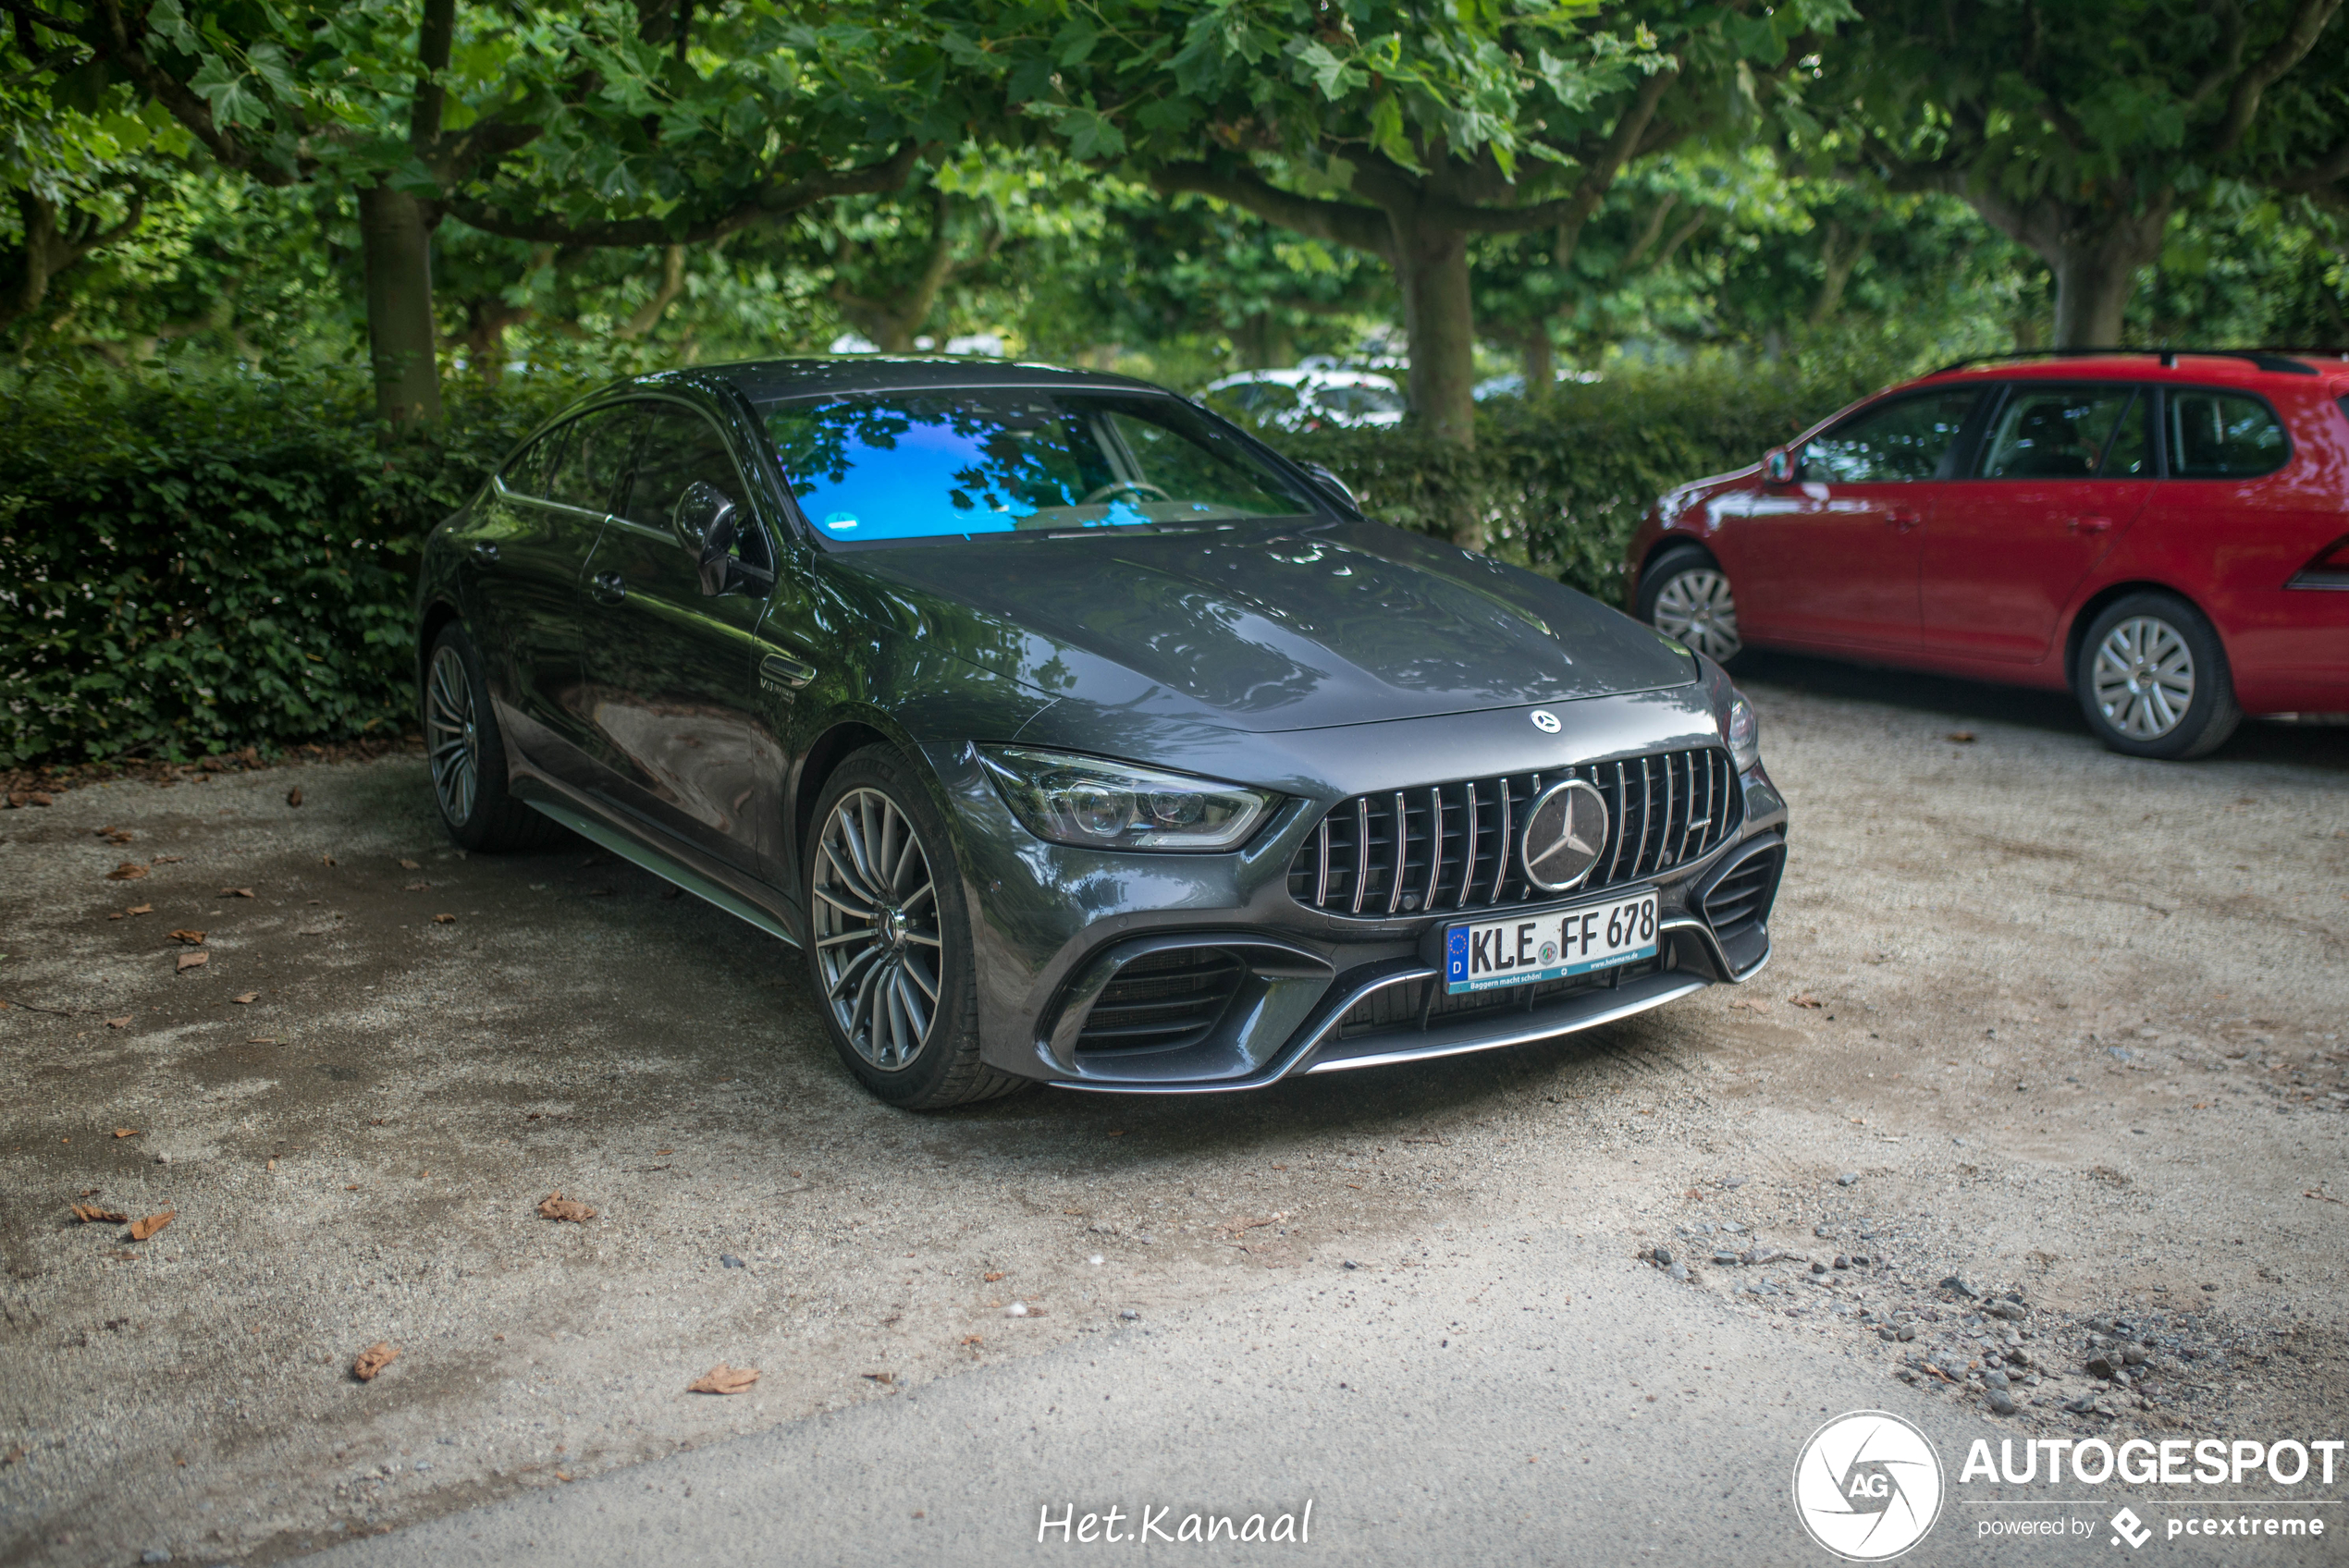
(1164, 1000)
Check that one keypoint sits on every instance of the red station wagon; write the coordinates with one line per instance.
(2164, 534)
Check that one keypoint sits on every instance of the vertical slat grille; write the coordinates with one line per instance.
(1451, 846)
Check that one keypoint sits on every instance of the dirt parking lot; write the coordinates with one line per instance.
(2050, 1062)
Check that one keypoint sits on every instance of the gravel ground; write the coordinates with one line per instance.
(2050, 1059)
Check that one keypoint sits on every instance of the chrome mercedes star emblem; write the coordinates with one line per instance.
(1545, 721)
(1565, 835)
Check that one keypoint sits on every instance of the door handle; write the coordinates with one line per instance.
(609, 588)
(1903, 521)
(2089, 524)
(785, 670)
(485, 552)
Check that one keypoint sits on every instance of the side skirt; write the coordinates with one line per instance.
(666, 867)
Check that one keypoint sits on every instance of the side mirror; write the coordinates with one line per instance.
(705, 524)
(1777, 466)
(1333, 486)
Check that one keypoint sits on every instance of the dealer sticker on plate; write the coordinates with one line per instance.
(1549, 946)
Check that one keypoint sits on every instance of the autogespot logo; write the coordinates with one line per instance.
(1867, 1486)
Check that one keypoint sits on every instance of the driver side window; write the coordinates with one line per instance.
(1902, 441)
(678, 450)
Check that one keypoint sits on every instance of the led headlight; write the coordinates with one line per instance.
(1743, 731)
(1097, 805)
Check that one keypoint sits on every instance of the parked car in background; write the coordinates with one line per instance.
(2165, 533)
(1307, 398)
(1075, 735)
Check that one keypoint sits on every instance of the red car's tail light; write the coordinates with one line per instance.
(2329, 570)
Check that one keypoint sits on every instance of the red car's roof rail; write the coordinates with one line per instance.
(2282, 359)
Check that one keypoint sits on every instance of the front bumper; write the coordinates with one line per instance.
(1295, 991)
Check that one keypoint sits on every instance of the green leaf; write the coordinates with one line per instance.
(233, 101)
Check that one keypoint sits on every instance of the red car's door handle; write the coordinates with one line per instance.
(1903, 521)
(2089, 524)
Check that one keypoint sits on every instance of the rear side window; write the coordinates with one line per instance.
(1902, 440)
(2066, 433)
(526, 472)
(2223, 435)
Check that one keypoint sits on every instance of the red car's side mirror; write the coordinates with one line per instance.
(1777, 465)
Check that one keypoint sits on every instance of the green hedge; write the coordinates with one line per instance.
(192, 567)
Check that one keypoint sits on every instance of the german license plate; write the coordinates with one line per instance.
(1490, 954)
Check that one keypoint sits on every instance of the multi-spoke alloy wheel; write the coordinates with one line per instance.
(878, 946)
(2143, 678)
(453, 739)
(1696, 606)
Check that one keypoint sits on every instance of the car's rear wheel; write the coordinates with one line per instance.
(890, 945)
(466, 754)
(2152, 677)
(1685, 594)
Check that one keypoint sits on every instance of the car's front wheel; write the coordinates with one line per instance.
(2152, 677)
(1685, 594)
(889, 940)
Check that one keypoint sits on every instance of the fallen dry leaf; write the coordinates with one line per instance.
(89, 1215)
(193, 938)
(417, 887)
(126, 1133)
(724, 1380)
(169, 860)
(142, 1229)
(970, 1339)
(117, 1024)
(2321, 1197)
(374, 1359)
(196, 959)
(1963, 737)
(409, 866)
(116, 835)
(992, 1275)
(129, 871)
(443, 920)
(884, 1379)
(272, 1165)
(39, 797)
(236, 892)
(140, 909)
(293, 796)
(554, 1205)
(1751, 1004)
(248, 997)
(1806, 1000)
(325, 860)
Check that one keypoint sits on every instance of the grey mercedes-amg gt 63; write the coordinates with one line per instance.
(1073, 735)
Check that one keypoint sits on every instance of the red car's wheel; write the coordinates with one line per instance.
(2152, 677)
(1685, 594)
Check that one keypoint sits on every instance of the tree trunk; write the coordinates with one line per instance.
(398, 247)
(1540, 362)
(2094, 252)
(2096, 273)
(1431, 264)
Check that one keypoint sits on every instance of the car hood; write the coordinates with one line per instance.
(1271, 629)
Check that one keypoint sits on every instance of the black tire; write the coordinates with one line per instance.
(2153, 679)
(1684, 593)
(466, 754)
(901, 1004)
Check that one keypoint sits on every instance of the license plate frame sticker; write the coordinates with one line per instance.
(1557, 944)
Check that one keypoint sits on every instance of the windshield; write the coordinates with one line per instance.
(929, 465)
